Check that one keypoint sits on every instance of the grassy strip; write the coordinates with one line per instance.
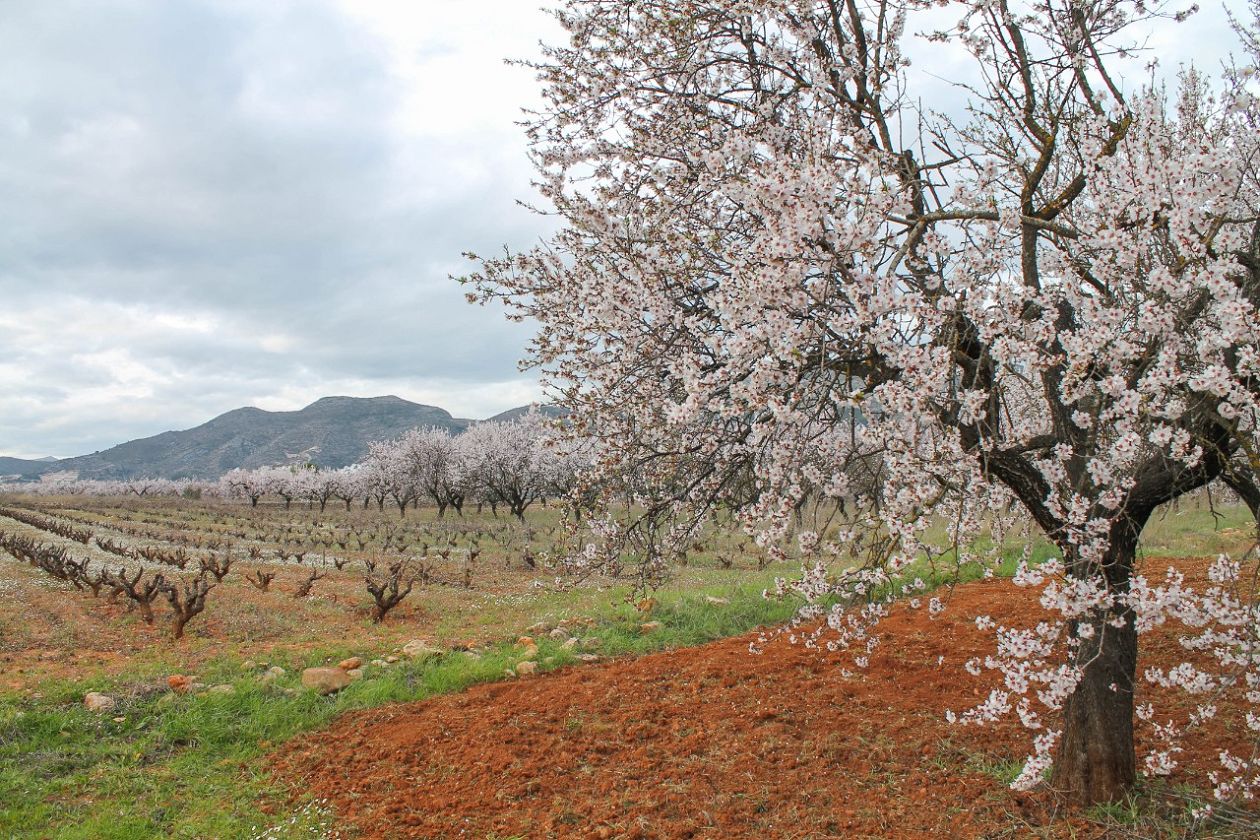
(191, 766)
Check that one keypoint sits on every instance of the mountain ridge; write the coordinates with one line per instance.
(332, 432)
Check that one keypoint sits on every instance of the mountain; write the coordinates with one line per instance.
(550, 411)
(331, 432)
(22, 467)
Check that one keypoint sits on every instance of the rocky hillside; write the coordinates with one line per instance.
(20, 466)
(331, 432)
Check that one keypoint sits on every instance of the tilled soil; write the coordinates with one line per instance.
(706, 742)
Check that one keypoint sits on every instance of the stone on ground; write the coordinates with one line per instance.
(326, 680)
(419, 649)
(96, 702)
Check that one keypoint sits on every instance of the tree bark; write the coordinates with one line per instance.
(1095, 761)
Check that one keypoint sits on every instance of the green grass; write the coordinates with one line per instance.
(1152, 809)
(1155, 809)
(193, 766)
(1193, 529)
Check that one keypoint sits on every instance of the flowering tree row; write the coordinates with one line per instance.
(512, 464)
(69, 484)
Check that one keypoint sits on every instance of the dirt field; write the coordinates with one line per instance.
(712, 742)
(705, 741)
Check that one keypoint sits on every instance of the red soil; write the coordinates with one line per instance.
(708, 742)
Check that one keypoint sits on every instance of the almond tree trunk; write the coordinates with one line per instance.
(1096, 760)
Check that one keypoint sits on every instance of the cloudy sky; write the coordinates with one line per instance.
(206, 204)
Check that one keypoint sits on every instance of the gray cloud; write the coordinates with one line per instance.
(208, 204)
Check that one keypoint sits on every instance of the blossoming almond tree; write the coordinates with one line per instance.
(779, 270)
(508, 461)
(432, 454)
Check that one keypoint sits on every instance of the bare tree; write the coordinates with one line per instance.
(141, 591)
(188, 599)
(304, 588)
(216, 564)
(389, 589)
(261, 580)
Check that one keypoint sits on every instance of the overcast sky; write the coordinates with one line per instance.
(206, 204)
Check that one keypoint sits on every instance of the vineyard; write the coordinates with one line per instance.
(197, 618)
(113, 577)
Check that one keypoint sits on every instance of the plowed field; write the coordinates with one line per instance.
(712, 742)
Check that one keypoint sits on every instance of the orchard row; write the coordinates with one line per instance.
(508, 464)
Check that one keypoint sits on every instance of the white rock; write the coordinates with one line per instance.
(96, 702)
(420, 649)
(326, 680)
